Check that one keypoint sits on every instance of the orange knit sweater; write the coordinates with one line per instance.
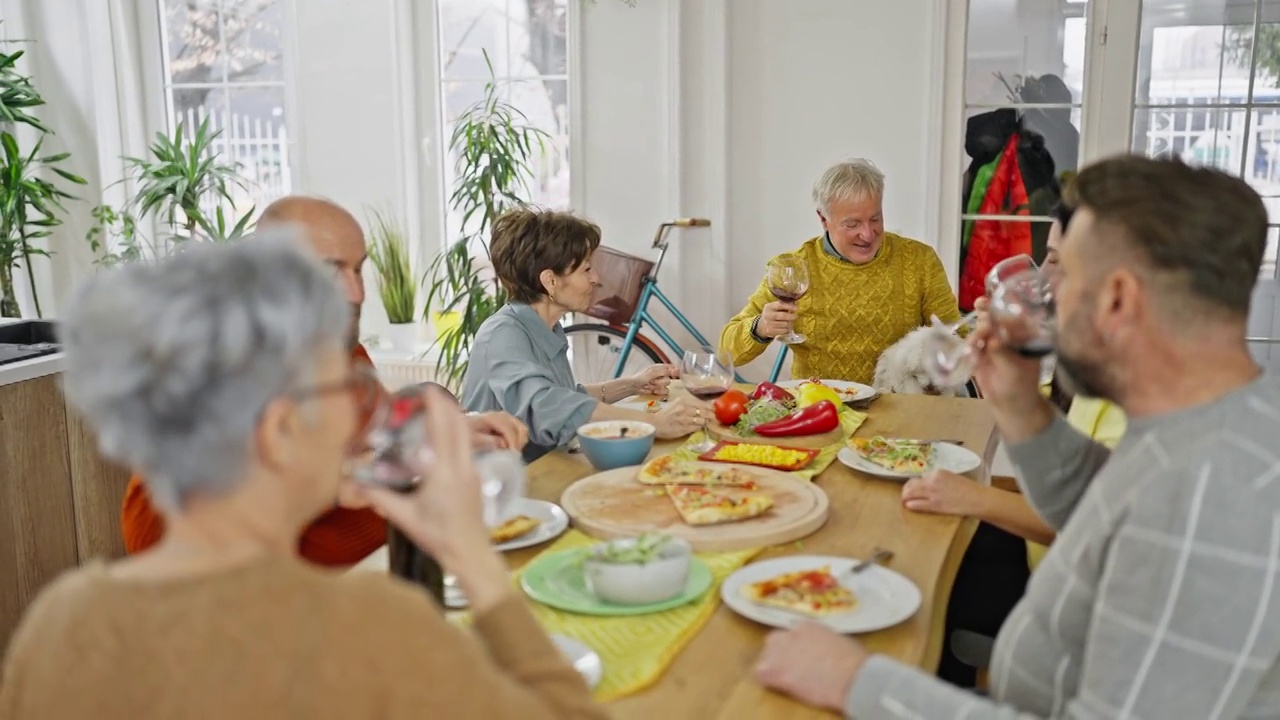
(340, 537)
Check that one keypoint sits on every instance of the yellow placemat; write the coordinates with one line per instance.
(635, 650)
(850, 421)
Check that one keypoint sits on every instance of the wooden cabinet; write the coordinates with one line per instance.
(59, 501)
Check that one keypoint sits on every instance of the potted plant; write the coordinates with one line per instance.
(30, 203)
(493, 145)
(389, 253)
(180, 192)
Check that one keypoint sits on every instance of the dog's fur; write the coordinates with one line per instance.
(900, 369)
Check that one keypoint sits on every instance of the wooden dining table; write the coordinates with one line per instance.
(711, 678)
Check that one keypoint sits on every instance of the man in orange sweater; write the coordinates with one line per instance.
(344, 535)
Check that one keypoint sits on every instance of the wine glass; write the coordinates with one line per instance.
(1021, 305)
(707, 374)
(789, 281)
(1022, 311)
(395, 444)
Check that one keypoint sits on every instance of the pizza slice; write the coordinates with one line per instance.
(909, 457)
(518, 526)
(816, 593)
(667, 470)
(700, 506)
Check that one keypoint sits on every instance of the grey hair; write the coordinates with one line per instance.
(854, 179)
(172, 363)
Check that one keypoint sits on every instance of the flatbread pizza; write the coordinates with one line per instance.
(666, 470)
(700, 506)
(518, 526)
(909, 457)
(816, 593)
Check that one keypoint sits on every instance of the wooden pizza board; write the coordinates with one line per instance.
(725, 432)
(613, 504)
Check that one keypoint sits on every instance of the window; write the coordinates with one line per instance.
(224, 61)
(526, 41)
(1208, 91)
(1023, 91)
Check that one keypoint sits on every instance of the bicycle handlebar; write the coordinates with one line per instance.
(691, 222)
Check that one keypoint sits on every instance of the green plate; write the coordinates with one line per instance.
(556, 579)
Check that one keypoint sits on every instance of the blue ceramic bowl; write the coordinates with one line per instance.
(608, 447)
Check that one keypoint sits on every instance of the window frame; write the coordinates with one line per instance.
(1113, 44)
(157, 88)
(437, 204)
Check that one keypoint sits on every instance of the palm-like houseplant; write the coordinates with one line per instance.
(175, 187)
(397, 285)
(493, 145)
(30, 203)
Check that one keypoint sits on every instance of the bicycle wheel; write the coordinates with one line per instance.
(594, 350)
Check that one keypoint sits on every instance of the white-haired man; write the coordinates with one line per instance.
(868, 288)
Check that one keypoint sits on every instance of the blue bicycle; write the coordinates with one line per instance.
(599, 352)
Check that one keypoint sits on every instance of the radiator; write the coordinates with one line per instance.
(398, 369)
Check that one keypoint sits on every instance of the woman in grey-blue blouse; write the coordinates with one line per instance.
(519, 360)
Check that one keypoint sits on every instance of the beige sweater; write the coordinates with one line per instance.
(277, 639)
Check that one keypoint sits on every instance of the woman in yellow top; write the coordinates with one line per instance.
(867, 287)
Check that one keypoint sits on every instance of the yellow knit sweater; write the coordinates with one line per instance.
(852, 313)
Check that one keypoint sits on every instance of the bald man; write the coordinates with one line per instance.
(344, 535)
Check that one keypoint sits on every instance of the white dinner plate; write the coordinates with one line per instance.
(885, 598)
(554, 522)
(848, 391)
(946, 457)
(635, 403)
(585, 660)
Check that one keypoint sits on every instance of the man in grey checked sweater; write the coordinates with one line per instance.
(1159, 598)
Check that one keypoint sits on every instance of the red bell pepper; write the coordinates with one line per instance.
(815, 419)
(769, 391)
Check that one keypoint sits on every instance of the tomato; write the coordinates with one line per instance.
(730, 406)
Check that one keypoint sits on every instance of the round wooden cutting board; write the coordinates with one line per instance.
(614, 504)
(726, 432)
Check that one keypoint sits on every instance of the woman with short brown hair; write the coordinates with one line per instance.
(519, 361)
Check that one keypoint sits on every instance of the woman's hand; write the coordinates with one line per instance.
(682, 416)
(654, 380)
(811, 663)
(942, 492)
(497, 431)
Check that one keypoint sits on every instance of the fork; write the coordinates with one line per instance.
(880, 555)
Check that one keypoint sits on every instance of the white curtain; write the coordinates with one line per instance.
(96, 63)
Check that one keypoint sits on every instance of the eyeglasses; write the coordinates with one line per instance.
(361, 382)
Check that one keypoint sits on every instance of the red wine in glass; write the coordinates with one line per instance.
(706, 392)
(787, 294)
(1038, 348)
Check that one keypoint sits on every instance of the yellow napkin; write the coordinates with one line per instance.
(637, 649)
(850, 421)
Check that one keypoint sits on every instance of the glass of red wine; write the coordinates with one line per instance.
(707, 374)
(395, 445)
(789, 281)
(1022, 308)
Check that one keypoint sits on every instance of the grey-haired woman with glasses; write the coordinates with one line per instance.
(222, 375)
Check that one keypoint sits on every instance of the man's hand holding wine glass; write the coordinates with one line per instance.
(788, 279)
(776, 319)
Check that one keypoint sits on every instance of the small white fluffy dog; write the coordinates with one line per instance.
(900, 369)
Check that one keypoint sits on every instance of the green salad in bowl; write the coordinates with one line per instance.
(638, 571)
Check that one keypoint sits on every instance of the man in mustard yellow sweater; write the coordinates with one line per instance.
(867, 287)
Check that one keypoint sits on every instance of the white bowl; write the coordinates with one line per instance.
(633, 584)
